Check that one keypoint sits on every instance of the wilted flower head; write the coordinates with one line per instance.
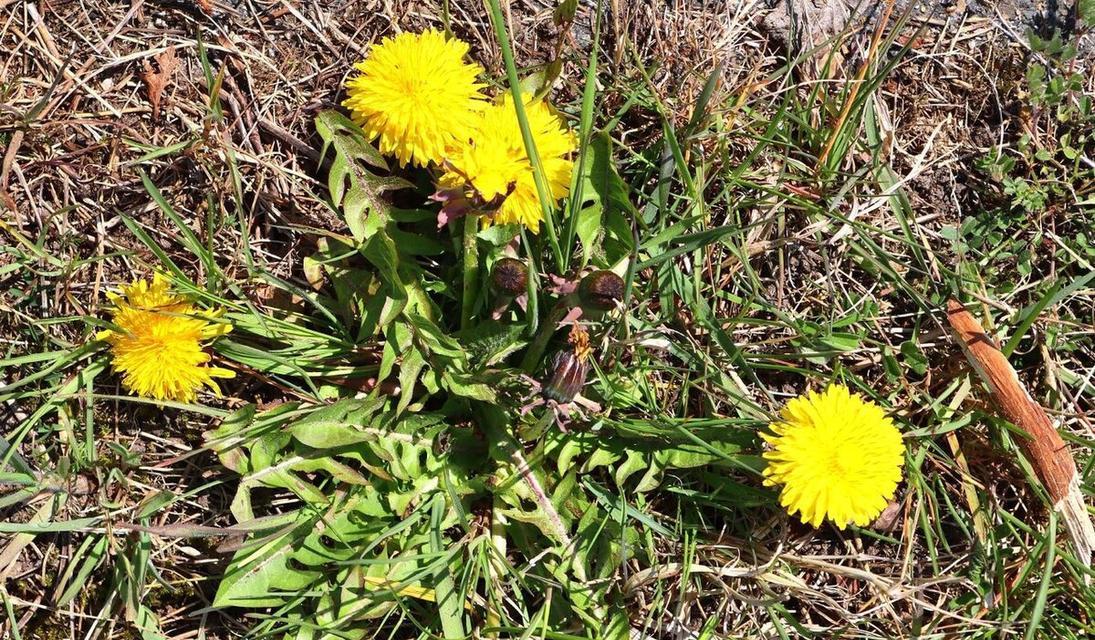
(491, 162)
(570, 367)
(601, 290)
(157, 344)
(836, 455)
(509, 276)
(417, 94)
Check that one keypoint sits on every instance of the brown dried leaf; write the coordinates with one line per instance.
(206, 6)
(890, 518)
(156, 78)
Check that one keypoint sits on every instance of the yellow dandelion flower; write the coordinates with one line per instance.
(416, 94)
(157, 344)
(837, 456)
(495, 165)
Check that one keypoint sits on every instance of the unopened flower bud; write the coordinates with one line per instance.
(568, 376)
(509, 276)
(601, 290)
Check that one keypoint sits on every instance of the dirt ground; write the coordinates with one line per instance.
(79, 112)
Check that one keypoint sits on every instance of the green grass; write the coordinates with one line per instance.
(769, 245)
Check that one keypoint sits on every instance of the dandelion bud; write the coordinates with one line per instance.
(601, 290)
(568, 376)
(509, 276)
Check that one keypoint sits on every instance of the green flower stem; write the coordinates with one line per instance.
(585, 131)
(499, 523)
(542, 190)
(532, 313)
(471, 268)
(539, 344)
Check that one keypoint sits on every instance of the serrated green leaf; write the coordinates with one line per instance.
(570, 449)
(467, 386)
(650, 479)
(381, 251)
(254, 577)
(607, 194)
(436, 342)
(353, 187)
(409, 370)
(635, 462)
(600, 458)
(489, 342)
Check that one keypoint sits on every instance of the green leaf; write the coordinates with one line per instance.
(337, 425)
(489, 342)
(572, 446)
(499, 235)
(914, 358)
(78, 524)
(409, 370)
(255, 576)
(635, 462)
(589, 228)
(352, 185)
(327, 435)
(600, 458)
(1036, 76)
(841, 341)
(603, 181)
(688, 456)
(467, 386)
(565, 12)
(650, 479)
(399, 339)
(380, 250)
(434, 339)
(539, 83)
(337, 470)
(1085, 10)
(607, 194)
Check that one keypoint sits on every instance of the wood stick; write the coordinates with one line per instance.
(1044, 447)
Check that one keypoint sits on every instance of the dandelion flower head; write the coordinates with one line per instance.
(416, 94)
(837, 457)
(494, 164)
(157, 343)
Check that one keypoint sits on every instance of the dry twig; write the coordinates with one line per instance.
(1047, 451)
